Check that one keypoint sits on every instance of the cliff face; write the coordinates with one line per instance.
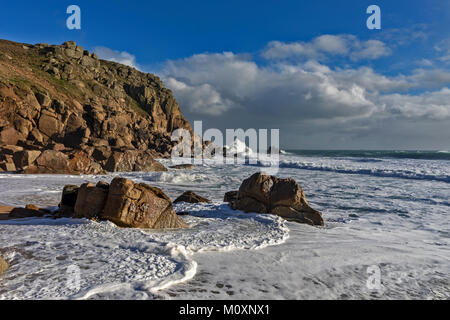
(64, 99)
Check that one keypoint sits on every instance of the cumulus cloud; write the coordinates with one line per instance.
(231, 82)
(122, 57)
(326, 46)
(214, 84)
(201, 99)
(429, 105)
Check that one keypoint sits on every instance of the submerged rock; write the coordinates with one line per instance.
(262, 193)
(191, 197)
(183, 166)
(140, 206)
(29, 211)
(3, 265)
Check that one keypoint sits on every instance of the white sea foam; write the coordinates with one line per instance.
(406, 169)
(131, 263)
(392, 213)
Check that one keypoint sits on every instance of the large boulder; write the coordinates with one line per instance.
(9, 136)
(263, 193)
(49, 124)
(3, 265)
(58, 162)
(81, 162)
(50, 161)
(139, 206)
(191, 197)
(91, 200)
(132, 160)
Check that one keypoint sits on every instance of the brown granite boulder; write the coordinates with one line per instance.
(3, 265)
(91, 200)
(5, 211)
(139, 206)
(9, 136)
(50, 161)
(133, 160)
(191, 197)
(81, 162)
(263, 193)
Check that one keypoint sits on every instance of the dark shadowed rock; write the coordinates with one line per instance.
(68, 201)
(69, 195)
(25, 158)
(21, 213)
(139, 206)
(191, 197)
(263, 193)
(230, 196)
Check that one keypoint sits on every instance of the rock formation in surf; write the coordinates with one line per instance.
(125, 203)
(262, 193)
(191, 197)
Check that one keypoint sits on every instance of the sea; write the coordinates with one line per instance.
(387, 235)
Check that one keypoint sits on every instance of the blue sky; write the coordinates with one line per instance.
(158, 30)
(350, 87)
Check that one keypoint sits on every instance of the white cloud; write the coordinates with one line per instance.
(430, 105)
(122, 57)
(370, 49)
(215, 84)
(325, 46)
(443, 48)
(202, 98)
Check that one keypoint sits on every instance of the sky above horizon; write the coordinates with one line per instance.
(309, 68)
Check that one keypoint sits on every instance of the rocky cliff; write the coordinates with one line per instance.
(63, 110)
